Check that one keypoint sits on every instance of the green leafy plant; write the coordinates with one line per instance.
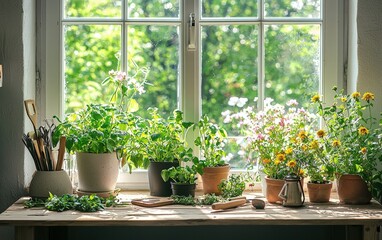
(183, 200)
(105, 128)
(209, 199)
(180, 174)
(86, 203)
(234, 186)
(211, 141)
(353, 136)
(166, 137)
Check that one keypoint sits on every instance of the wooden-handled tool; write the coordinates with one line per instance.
(229, 204)
(152, 202)
(30, 108)
(61, 153)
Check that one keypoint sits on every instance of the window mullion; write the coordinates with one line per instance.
(261, 57)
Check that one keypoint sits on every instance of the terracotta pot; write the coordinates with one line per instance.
(319, 193)
(158, 187)
(97, 172)
(212, 176)
(183, 189)
(352, 189)
(45, 182)
(273, 189)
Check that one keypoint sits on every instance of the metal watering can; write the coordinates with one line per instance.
(292, 192)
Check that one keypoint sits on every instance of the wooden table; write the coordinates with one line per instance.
(333, 213)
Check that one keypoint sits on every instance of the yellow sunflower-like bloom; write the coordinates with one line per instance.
(289, 151)
(266, 161)
(291, 163)
(336, 143)
(367, 96)
(302, 134)
(301, 172)
(363, 131)
(314, 144)
(315, 98)
(277, 162)
(280, 157)
(355, 95)
(363, 150)
(304, 148)
(320, 133)
(343, 99)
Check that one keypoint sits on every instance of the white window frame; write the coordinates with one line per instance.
(50, 70)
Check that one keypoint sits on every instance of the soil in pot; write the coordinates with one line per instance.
(352, 189)
(158, 187)
(183, 189)
(211, 178)
(319, 192)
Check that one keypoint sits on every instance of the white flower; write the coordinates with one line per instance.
(241, 102)
(292, 102)
(233, 101)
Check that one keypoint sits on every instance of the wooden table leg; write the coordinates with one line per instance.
(24, 233)
(370, 232)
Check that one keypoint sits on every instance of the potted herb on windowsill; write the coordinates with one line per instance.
(212, 168)
(165, 147)
(98, 131)
(183, 180)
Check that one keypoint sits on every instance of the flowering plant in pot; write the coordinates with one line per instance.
(355, 139)
(165, 147)
(98, 131)
(211, 141)
(277, 135)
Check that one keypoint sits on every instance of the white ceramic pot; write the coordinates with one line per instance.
(97, 173)
(45, 182)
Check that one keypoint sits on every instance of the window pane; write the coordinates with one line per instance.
(229, 68)
(89, 56)
(292, 8)
(236, 156)
(292, 62)
(156, 47)
(153, 8)
(92, 8)
(229, 8)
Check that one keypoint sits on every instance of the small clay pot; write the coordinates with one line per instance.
(211, 178)
(319, 192)
(45, 182)
(352, 189)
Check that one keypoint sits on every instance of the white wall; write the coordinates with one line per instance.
(369, 22)
(17, 55)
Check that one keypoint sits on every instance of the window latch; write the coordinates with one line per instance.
(191, 33)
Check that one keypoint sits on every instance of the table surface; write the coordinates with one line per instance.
(332, 213)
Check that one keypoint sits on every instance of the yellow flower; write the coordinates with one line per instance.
(343, 99)
(302, 134)
(301, 172)
(291, 163)
(321, 133)
(304, 148)
(289, 151)
(363, 150)
(336, 143)
(367, 96)
(277, 162)
(363, 131)
(315, 98)
(314, 144)
(266, 161)
(355, 95)
(280, 157)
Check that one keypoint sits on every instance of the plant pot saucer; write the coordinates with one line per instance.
(99, 194)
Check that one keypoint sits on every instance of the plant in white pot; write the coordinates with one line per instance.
(211, 141)
(98, 131)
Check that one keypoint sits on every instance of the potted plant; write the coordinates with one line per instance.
(183, 180)
(165, 148)
(98, 131)
(276, 135)
(320, 169)
(212, 168)
(355, 139)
